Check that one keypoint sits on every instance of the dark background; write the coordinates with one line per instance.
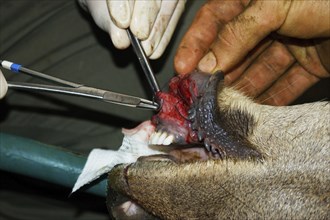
(58, 38)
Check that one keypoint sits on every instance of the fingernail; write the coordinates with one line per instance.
(208, 63)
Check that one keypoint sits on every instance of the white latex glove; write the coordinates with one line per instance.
(152, 21)
(3, 85)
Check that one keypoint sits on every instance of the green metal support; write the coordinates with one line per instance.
(53, 164)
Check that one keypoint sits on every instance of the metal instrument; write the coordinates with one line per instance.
(71, 88)
(144, 62)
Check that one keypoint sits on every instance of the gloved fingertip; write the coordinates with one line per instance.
(3, 86)
(143, 17)
(147, 47)
(119, 37)
(140, 33)
(120, 44)
(155, 57)
(157, 54)
(120, 12)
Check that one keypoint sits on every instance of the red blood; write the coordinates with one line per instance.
(174, 108)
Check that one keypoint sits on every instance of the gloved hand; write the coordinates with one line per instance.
(152, 21)
(3, 85)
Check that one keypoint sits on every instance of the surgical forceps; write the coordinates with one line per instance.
(71, 88)
(144, 62)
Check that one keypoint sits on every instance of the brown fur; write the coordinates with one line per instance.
(291, 181)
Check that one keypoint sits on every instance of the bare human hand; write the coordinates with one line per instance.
(271, 50)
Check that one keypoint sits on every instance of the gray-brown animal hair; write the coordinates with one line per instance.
(292, 181)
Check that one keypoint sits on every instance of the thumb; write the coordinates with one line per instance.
(239, 36)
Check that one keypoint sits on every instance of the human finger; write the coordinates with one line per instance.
(265, 70)
(143, 17)
(100, 14)
(237, 71)
(121, 12)
(289, 87)
(166, 11)
(208, 62)
(169, 30)
(238, 37)
(3, 85)
(307, 56)
(203, 31)
(119, 37)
